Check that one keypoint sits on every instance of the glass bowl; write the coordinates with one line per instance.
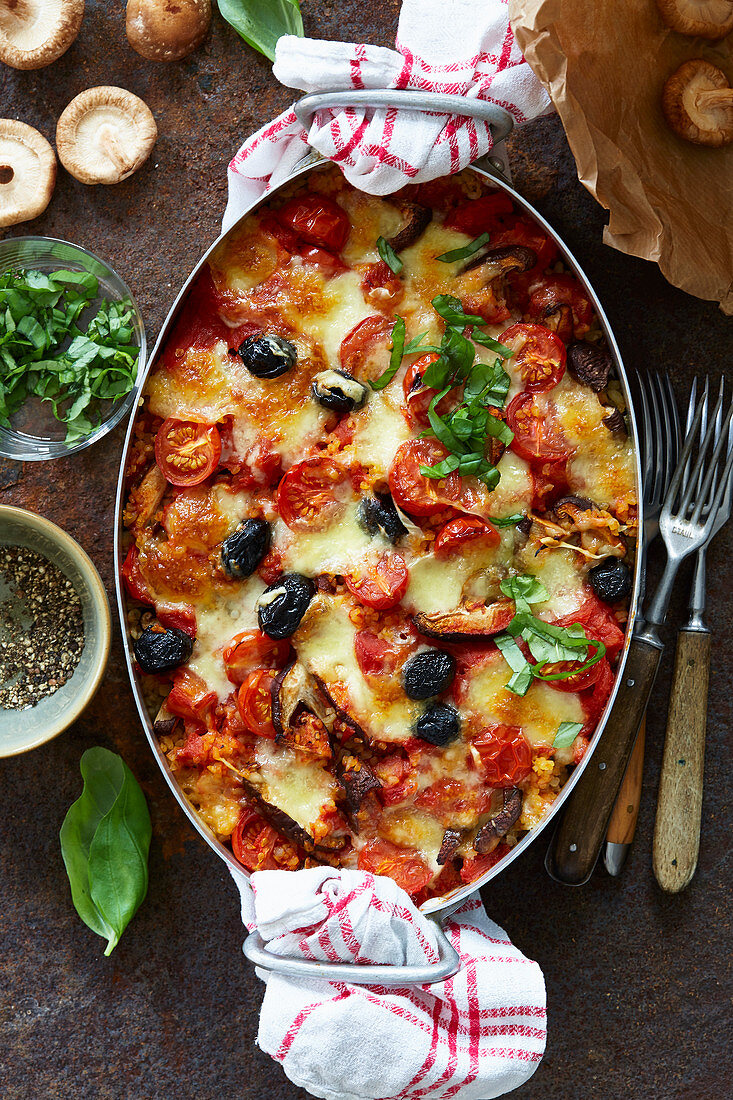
(35, 434)
(21, 730)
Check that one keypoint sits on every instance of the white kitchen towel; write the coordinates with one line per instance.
(475, 1036)
(463, 47)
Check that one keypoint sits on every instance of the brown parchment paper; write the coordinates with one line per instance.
(604, 63)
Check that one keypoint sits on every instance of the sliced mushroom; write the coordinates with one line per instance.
(616, 424)
(451, 840)
(294, 687)
(33, 33)
(573, 508)
(27, 172)
(341, 714)
(697, 102)
(166, 30)
(457, 625)
(357, 779)
(711, 19)
(500, 824)
(503, 261)
(590, 365)
(104, 135)
(164, 722)
(418, 219)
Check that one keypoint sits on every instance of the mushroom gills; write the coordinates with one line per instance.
(27, 172)
(697, 102)
(104, 135)
(34, 33)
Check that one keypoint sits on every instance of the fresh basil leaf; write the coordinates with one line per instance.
(414, 344)
(466, 251)
(395, 359)
(524, 586)
(390, 257)
(522, 677)
(261, 22)
(566, 734)
(452, 312)
(499, 429)
(490, 382)
(490, 343)
(508, 521)
(441, 469)
(105, 840)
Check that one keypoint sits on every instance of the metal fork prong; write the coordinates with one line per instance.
(719, 417)
(659, 467)
(683, 465)
(646, 442)
(698, 468)
(672, 404)
(691, 406)
(721, 489)
(712, 468)
(670, 458)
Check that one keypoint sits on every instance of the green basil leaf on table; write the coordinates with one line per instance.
(105, 839)
(566, 734)
(261, 22)
(390, 257)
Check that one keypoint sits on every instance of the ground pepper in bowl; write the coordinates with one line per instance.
(41, 628)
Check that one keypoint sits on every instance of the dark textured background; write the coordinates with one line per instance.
(638, 983)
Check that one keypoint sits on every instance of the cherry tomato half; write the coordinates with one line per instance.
(317, 220)
(186, 452)
(255, 703)
(506, 756)
(190, 697)
(478, 215)
(473, 869)
(454, 536)
(596, 697)
(379, 656)
(538, 437)
(554, 291)
(258, 847)
(416, 494)
(307, 495)
(417, 396)
(383, 585)
(381, 287)
(404, 865)
(251, 650)
(364, 351)
(538, 354)
(132, 578)
(578, 681)
(599, 623)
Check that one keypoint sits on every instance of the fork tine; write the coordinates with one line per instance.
(646, 442)
(697, 467)
(659, 482)
(683, 466)
(719, 417)
(669, 460)
(712, 466)
(725, 479)
(675, 414)
(691, 406)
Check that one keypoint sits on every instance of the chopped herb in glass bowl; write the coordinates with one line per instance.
(71, 344)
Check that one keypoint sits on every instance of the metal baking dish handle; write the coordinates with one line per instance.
(499, 120)
(449, 963)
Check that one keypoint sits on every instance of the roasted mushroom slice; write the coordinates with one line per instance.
(294, 687)
(698, 103)
(164, 31)
(710, 19)
(357, 779)
(164, 722)
(500, 824)
(616, 424)
(417, 220)
(34, 33)
(341, 714)
(462, 623)
(451, 840)
(590, 365)
(104, 135)
(503, 261)
(27, 172)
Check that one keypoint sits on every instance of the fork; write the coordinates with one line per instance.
(688, 516)
(679, 804)
(660, 448)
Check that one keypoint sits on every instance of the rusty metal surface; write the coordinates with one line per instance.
(638, 983)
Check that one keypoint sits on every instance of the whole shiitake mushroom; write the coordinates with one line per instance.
(166, 30)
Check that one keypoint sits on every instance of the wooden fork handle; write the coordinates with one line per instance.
(622, 826)
(583, 827)
(679, 805)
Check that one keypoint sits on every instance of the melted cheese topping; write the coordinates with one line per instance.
(216, 624)
(380, 430)
(337, 549)
(299, 787)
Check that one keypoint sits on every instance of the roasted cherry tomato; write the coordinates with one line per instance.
(364, 351)
(190, 697)
(383, 585)
(379, 656)
(397, 776)
(599, 622)
(538, 355)
(307, 496)
(447, 799)
(554, 291)
(186, 452)
(457, 533)
(329, 264)
(182, 617)
(538, 437)
(596, 697)
(417, 396)
(506, 756)
(578, 681)
(416, 494)
(473, 869)
(317, 220)
(381, 287)
(132, 578)
(251, 650)
(404, 865)
(522, 231)
(258, 847)
(255, 703)
(478, 215)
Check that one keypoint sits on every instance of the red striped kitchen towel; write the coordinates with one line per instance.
(475, 1036)
(464, 47)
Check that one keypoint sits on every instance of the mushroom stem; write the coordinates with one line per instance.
(6, 173)
(719, 97)
(111, 146)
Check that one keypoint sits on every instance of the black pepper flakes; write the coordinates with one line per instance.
(41, 628)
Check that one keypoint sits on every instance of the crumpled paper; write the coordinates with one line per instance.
(604, 65)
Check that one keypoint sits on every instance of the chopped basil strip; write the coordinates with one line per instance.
(525, 587)
(452, 312)
(395, 359)
(414, 344)
(466, 251)
(509, 521)
(518, 663)
(492, 344)
(388, 254)
(566, 734)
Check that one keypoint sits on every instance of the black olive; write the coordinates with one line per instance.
(243, 551)
(378, 514)
(428, 674)
(267, 356)
(281, 606)
(439, 724)
(338, 390)
(161, 650)
(611, 580)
